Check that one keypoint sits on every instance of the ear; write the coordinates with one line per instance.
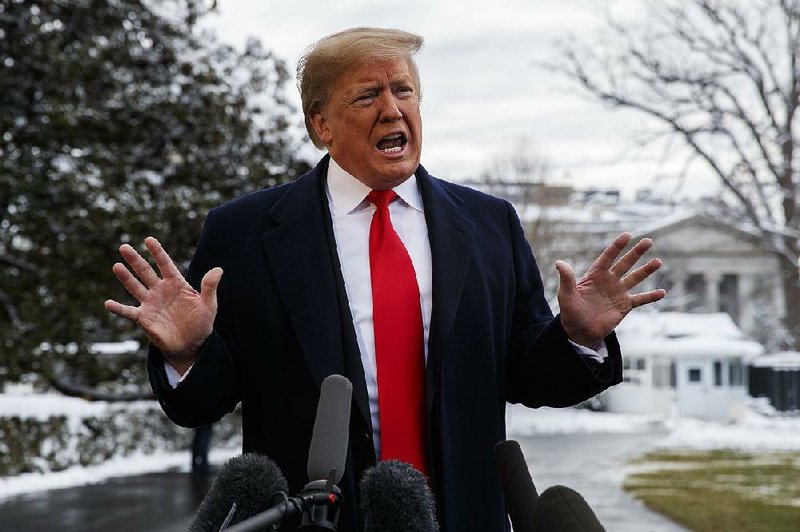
(321, 128)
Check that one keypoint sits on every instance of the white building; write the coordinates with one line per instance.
(684, 364)
(712, 266)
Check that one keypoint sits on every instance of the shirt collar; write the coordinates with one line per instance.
(348, 194)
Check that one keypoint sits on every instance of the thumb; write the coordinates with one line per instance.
(208, 286)
(566, 277)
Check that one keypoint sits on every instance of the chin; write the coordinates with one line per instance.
(397, 175)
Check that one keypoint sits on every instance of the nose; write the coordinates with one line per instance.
(390, 111)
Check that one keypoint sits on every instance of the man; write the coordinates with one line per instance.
(316, 282)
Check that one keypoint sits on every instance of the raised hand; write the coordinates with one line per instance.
(593, 306)
(174, 316)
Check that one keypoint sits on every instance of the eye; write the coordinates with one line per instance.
(364, 98)
(405, 91)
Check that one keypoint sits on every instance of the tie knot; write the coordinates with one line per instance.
(381, 198)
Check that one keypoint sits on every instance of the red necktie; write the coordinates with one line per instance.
(399, 349)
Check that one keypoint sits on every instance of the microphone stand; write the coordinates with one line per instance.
(322, 515)
(319, 504)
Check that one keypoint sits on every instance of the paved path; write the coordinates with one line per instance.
(156, 502)
(166, 502)
(591, 464)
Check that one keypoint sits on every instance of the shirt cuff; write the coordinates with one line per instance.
(598, 356)
(176, 378)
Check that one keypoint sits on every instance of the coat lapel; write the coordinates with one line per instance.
(297, 250)
(451, 238)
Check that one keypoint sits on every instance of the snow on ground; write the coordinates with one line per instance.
(752, 432)
(522, 421)
(43, 406)
(120, 466)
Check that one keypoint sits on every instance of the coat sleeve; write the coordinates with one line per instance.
(211, 389)
(543, 368)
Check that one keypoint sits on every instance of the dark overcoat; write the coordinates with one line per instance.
(284, 324)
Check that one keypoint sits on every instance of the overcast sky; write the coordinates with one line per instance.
(482, 83)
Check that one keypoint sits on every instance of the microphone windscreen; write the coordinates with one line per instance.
(331, 432)
(517, 484)
(251, 481)
(395, 497)
(563, 509)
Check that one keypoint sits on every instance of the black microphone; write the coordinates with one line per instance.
(515, 479)
(250, 482)
(395, 497)
(562, 509)
(320, 499)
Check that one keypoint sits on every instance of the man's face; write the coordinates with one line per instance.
(371, 124)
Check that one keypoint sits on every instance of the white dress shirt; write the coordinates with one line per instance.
(351, 214)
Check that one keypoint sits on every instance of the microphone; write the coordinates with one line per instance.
(327, 453)
(331, 433)
(244, 486)
(319, 501)
(395, 497)
(515, 479)
(563, 509)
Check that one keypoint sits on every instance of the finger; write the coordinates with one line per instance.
(606, 259)
(125, 311)
(645, 298)
(631, 257)
(131, 283)
(208, 286)
(163, 260)
(640, 274)
(566, 276)
(141, 267)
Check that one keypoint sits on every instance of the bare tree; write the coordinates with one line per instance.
(522, 175)
(723, 77)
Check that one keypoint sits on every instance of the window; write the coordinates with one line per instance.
(634, 370)
(664, 375)
(736, 372)
(638, 364)
(695, 375)
(728, 289)
(717, 373)
(695, 288)
(663, 279)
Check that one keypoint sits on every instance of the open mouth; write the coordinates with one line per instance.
(393, 143)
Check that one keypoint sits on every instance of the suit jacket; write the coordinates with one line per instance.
(284, 324)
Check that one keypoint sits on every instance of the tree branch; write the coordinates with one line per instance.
(72, 389)
(19, 263)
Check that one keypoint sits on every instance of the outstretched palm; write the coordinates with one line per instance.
(593, 306)
(174, 316)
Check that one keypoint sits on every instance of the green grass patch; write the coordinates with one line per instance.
(721, 490)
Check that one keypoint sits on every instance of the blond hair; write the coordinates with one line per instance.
(326, 60)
